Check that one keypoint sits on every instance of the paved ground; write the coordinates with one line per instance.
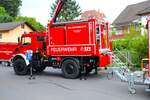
(50, 85)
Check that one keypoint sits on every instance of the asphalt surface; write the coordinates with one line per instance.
(50, 85)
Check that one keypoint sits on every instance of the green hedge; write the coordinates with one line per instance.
(137, 47)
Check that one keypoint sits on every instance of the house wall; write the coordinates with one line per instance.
(122, 30)
(12, 35)
(132, 27)
(143, 23)
(2, 33)
(125, 29)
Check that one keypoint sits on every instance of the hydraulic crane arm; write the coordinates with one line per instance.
(57, 10)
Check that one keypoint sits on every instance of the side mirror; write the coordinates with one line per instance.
(18, 40)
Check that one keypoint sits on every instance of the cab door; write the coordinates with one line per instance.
(26, 44)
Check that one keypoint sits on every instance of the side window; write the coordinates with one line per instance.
(23, 31)
(22, 26)
(0, 36)
(26, 40)
(97, 30)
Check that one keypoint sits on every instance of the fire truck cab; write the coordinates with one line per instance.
(34, 42)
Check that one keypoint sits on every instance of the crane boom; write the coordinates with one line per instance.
(57, 10)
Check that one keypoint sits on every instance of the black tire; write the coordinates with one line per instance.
(20, 67)
(70, 69)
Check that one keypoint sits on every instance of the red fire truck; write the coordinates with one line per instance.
(74, 47)
(148, 28)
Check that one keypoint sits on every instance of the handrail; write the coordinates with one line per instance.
(128, 61)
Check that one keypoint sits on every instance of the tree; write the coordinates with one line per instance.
(4, 16)
(70, 10)
(38, 26)
(11, 6)
(2, 11)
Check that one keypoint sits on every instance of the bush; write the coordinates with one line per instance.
(136, 46)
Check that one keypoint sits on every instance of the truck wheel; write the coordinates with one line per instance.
(20, 67)
(70, 69)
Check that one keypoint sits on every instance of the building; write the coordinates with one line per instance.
(134, 15)
(100, 16)
(118, 37)
(9, 32)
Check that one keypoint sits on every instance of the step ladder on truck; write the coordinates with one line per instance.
(122, 70)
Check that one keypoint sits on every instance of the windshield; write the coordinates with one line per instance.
(26, 40)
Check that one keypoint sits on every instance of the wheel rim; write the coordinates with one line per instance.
(70, 69)
(20, 67)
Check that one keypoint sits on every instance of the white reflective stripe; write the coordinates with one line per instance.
(6, 51)
(24, 57)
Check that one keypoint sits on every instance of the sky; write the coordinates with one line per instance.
(40, 9)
